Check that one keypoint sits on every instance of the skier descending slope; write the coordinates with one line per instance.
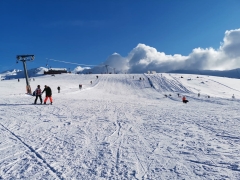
(48, 91)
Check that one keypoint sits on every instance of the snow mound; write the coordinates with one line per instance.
(15, 74)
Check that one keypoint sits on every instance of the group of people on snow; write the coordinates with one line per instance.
(48, 93)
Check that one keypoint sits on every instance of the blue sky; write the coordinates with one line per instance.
(89, 31)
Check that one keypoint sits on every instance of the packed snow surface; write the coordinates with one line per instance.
(121, 127)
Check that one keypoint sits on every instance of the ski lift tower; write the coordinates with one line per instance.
(107, 68)
(25, 58)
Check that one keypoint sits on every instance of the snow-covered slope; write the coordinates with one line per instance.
(233, 73)
(121, 127)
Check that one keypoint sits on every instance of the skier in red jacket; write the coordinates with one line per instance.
(184, 100)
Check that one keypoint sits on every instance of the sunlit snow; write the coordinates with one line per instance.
(119, 127)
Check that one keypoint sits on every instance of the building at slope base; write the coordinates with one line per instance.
(56, 71)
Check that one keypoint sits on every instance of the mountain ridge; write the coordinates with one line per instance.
(34, 72)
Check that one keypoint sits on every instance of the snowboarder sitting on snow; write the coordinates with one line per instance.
(38, 93)
(184, 100)
(58, 88)
(48, 91)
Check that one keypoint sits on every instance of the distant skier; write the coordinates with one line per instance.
(58, 88)
(48, 92)
(18, 80)
(178, 94)
(97, 77)
(38, 94)
(233, 96)
(198, 94)
(90, 82)
(184, 100)
(80, 86)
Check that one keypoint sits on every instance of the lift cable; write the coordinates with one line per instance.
(69, 62)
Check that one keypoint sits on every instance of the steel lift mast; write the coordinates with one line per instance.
(25, 58)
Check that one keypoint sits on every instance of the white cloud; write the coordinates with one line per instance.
(79, 69)
(231, 43)
(118, 62)
(144, 58)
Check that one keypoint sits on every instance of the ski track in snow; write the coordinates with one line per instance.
(119, 127)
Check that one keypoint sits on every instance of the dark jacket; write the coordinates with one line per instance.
(48, 91)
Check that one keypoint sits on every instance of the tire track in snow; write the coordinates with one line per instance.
(223, 85)
(54, 171)
(162, 84)
(178, 85)
(115, 142)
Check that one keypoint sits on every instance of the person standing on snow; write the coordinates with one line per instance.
(48, 91)
(58, 88)
(38, 93)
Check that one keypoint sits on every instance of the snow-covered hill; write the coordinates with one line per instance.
(15, 74)
(7, 73)
(101, 69)
(121, 127)
(234, 73)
